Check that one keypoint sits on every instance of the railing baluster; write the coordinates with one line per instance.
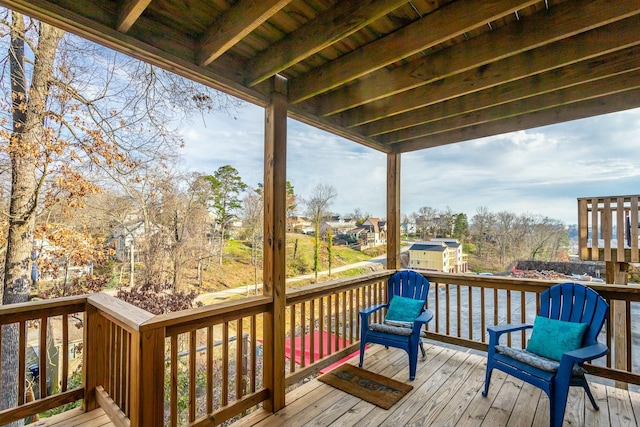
(209, 394)
(225, 364)
(483, 314)
(42, 357)
(65, 353)
(174, 381)
(447, 309)
(253, 336)
(437, 311)
(470, 311)
(336, 323)
(329, 325)
(312, 330)
(192, 376)
(240, 365)
(359, 307)
(509, 315)
(523, 318)
(117, 354)
(458, 312)
(321, 329)
(351, 314)
(495, 306)
(22, 360)
(292, 338)
(628, 336)
(303, 333)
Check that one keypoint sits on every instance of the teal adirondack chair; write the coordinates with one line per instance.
(574, 305)
(413, 289)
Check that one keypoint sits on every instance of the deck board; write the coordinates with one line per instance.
(447, 392)
(77, 418)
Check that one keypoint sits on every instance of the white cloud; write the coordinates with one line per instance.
(540, 171)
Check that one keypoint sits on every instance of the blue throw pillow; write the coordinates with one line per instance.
(403, 309)
(552, 338)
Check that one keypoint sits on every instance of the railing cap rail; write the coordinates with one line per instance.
(338, 285)
(198, 313)
(126, 313)
(11, 313)
(603, 198)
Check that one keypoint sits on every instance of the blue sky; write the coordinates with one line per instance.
(540, 171)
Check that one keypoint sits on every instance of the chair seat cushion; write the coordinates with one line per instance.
(389, 329)
(536, 361)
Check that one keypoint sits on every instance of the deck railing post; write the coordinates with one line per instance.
(275, 160)
(93, 355)
(393, 211)
(147, 377)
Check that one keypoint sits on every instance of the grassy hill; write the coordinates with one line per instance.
(236, 269)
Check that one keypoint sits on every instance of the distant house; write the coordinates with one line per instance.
(429, 256)
(337, 227)
(439, 255)
(375, 232)
(299, 224)
(127, 233)
(408, 228)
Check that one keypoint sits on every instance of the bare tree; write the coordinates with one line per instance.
(483, 222)
(76, 111)
(253, 218)
(317, 209)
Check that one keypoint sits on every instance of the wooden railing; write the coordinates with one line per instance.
(597, 219)
(206, 384)
(323, 320)
(464, 305)
(204, 366)
(19, 322)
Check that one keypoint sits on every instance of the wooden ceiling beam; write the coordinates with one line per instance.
(580, 110)
(108, 36)
(582, 72)
(439, 26)
(233, 25)
(549, 100)
(129, 13)
(562, 21)
(602, 40)
(333, 25)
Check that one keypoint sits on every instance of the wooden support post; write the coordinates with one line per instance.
(616, 273)
(93, 355)
(393, 211)
(275, 180)
(147, 377)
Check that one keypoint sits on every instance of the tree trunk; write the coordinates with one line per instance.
(28, 133)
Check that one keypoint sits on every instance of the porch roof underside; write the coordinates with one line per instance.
(394, 75)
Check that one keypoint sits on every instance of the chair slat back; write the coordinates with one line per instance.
(408, 284)
(573, 302)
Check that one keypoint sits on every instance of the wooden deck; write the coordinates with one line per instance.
(447, 392)
(77, 418)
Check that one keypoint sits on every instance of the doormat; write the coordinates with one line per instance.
(374, 388)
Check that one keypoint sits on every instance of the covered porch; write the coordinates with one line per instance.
(393, 75)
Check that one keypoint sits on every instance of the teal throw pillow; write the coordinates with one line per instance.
(552, 338)
(404, 309)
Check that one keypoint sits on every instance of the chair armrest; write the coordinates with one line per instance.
(422, 320)
(424, 317)
(586, 354)
(496, 331)
(367, 311)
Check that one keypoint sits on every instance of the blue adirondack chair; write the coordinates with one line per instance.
(569, 302)
(407, 284)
